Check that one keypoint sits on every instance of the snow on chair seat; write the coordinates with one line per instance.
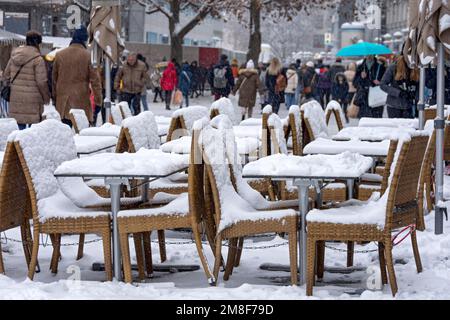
(125, 109)
(223, 106)
(79, 119)
(107, 129)
(183, 121)
(314, 125)
(139, 132)
(116, 114)
(50, 112)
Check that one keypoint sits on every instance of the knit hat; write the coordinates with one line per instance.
(310, 64)
(250, 64)
(80, 35)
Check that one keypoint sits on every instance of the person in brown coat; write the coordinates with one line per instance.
(29, 89)
(74, 77)
(248, 85)
(134, 77)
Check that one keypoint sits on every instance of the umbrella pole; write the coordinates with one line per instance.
(107, 101)
(421, 103)
(439, 125)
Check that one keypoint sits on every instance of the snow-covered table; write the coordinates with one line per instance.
(248, 131)
(389, 122)
(92, 144)
(307, 171)
(108, 129)
(117, 169)
(331, 147)
(371, 133)
(251, 122)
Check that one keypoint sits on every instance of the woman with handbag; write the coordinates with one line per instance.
(368, 75)
(248, 85)
(26, 76)
(400, 83)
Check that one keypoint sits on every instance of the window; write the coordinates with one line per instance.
(164, 39)
(152, 37)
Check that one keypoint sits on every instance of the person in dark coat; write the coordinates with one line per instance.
(368, 74)
(339, 91)
(185, 83)
(323, 86)
(336, 68)
(401, 84)
(431, 83)
(195, 81)
(273, 72)
(221, 78)
(308, 77)
(248, 86)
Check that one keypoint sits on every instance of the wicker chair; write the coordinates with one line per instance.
(183, 120)
(398, 208)
(187, 211)
(334, 108)
(53, 213)
(79, 119)
(125, 110)
(15, 206)
(293, 131)
(447, 141)
(116, 114)
(224, 199)
(312, 111)
(222, 106)
(429, 114)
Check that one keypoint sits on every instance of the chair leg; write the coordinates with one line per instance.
(56, 241)
(293, 256)
(106, 239)
(239, 252)
(124, 244)
(382, 258)
(2, 266)
(390, 266)
(162, 245)
(137, 237)
(81, 246)
(232, 249)
(148, 253)
(201, 254)
(311, 258)
(320, 259)
(25, 242)
(218, 258)
(416, 251)
(350, 253)
(34, 254)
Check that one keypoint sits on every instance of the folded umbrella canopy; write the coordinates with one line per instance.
(104, 29)
(363, 49)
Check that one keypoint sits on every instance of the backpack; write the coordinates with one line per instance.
(281, 83)
(220, 78)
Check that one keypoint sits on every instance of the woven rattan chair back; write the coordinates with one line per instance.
(183, 120)
(294, 130)
(125, 110)
(447, 141)
(142, 131)
(429, 114)
(387, 168)
(402, 205)
(337, 117)
(125, 143)
(116, 114)
(308, 135)
(79, 120)
(276, 134)
(265, 137)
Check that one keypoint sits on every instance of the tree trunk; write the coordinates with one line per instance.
(254, 46)
(176, 41)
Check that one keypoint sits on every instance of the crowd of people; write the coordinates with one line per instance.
(71, 81)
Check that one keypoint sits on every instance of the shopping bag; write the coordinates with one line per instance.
(177, 98)
(377, 97)
(353, 109)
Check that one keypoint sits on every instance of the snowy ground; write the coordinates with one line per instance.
(247, 281)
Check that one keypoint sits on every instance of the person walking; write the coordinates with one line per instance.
(74, 77)
(336, 68)
(248, 85)
(222, 79)
(169, 82)
(263, 95)
(350, 77)
(309, 78)
(156, 84)
(275, 83)
(323, 86)
(235, 68)
(339, 92)
(26, 74)
(368, 74)
(401, 83)
(134, 77)
(185, 83)
(195, 79)
(292, 85)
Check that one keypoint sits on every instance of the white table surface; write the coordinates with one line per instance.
(366, 148)
(388, 122)
(105, 130)
(371, 133)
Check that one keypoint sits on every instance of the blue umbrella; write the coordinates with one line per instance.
(363, 49)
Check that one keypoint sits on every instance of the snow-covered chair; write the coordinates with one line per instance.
(293, 131)
(183, 121)
(7, 125)
(50, 112)
(334, 108)
(79, 120)
(236, 217)
(40, 150)
(116, 114)
(125, 109)
(187, 211)
(313, 122)
(374, 220)
(223, 106)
